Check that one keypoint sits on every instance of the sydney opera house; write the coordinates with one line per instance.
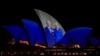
(46, 33)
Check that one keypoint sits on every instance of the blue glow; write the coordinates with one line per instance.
(35, 32)
(58, 35)
(77, 36)
(50, 38)
(95, 41)
(17, 32)
(63, 41)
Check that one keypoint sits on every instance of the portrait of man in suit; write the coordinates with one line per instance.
(49, 34)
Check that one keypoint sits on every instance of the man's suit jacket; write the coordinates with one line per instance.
(50, 37)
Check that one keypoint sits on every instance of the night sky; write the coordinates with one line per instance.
(70, 14)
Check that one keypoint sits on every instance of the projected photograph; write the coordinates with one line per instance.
(53, 30)
(50, 35)
(45, 32)
(56, 35)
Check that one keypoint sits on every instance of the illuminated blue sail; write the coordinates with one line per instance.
(17, 32)
(34, 31)
(77, 36)
(43, 16)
